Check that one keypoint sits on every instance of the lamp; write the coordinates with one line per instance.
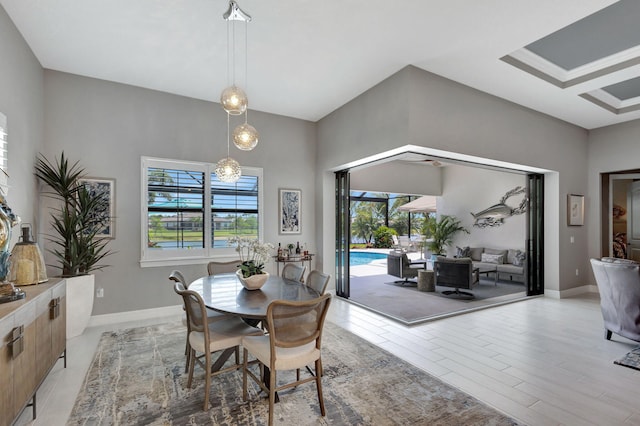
(27, 263)
(234, 100)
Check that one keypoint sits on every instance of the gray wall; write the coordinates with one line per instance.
(21, 100)
(414, 107)
(611, 149)
(471, 189)
(109, 126)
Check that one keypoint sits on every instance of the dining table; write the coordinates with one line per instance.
(225, 293)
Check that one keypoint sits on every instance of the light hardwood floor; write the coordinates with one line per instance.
(542, 361)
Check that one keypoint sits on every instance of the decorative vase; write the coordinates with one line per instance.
(254, 282)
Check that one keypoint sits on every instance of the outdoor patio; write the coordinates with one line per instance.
(372, 288)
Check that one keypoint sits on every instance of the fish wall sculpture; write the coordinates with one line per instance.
(496, 214)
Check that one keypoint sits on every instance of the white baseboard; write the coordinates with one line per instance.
(555, 294)
(144, 314)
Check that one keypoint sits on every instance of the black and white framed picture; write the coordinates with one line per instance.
(575, 210)
(107, 187)
(290, 205)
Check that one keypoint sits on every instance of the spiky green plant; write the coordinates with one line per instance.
(440, 232)
(78, 219)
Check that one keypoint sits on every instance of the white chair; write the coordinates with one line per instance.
(208, 338)
(294, 340)
(294, 272)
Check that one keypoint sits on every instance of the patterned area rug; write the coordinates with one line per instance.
(631, 360)
(137, 377)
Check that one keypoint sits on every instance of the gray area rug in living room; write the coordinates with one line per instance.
(137, 377)
(405, 304)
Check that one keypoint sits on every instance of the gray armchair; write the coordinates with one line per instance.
(399, 265)
(457, 273)
(619, 287)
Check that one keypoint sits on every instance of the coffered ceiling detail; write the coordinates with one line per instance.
(599, 55)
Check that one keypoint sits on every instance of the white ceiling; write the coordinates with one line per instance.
(307, 58)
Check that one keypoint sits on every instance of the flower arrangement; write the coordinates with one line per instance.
(254, 254)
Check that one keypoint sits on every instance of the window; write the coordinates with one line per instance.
(188, 214)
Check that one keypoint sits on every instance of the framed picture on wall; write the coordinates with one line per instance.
(107, 187)
(290, 208)
(575, 210)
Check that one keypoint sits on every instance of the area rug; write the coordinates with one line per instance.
(408, 305)
(137, 378)
(631, 360)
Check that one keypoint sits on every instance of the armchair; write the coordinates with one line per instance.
(399, 265)
(619, 287)
(457, 273)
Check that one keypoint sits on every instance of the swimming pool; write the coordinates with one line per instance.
(362, 258)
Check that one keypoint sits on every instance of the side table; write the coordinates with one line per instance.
(426, 281)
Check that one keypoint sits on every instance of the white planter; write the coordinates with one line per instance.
(80, 292)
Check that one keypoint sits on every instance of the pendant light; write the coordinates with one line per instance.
(228, 169)
(234, 100)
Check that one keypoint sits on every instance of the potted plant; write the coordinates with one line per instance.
(253, 257)
(76, 221)
(439, 232)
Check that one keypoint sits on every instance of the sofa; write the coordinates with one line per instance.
(509, 263)
(619, 287)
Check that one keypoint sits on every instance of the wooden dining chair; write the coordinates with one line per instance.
(206, 339)
(318, 281)
(294, 272)
(214, 267)
(178, 277)
(294, 340)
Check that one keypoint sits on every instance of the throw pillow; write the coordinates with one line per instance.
(518, 259)
(492, 258)
(463, 252)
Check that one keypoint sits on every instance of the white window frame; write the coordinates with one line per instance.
(154, 258)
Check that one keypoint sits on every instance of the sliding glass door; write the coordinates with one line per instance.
(343, 233)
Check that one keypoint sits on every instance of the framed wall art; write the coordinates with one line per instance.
(290, 208)
(108, 188)
(575, 210)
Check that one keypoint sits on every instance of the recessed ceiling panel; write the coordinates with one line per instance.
(625, 89)
(604, 33)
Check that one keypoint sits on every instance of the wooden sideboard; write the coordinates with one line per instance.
(33, 333)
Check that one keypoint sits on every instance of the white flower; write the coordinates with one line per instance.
(251, 249)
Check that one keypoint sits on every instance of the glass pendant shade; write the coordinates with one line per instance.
(228, 170)
(245, 137)
(234, 100)
(27, 263)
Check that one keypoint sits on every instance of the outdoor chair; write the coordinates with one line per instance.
(399, 265)
(208, 338)
(457, 273)
(293, 272)
(293, 341)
